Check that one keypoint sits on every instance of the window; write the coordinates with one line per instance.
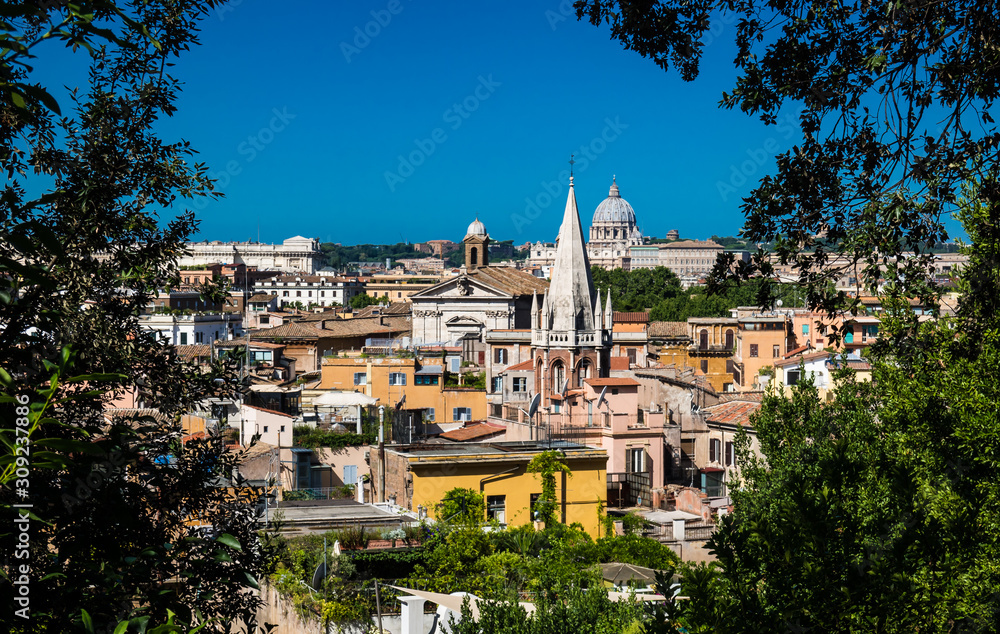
(184, 338)
(532, 503)
(298, 293)
(753, 350)
(730, 454)
(729, 339)
(350, 474)
(429, 414)
(497, 384)
(284, 293)
(704, 366)
(775, 351)
(264, 319)
(425, 380)
(849, 335)
(558, 377)
(583, 373)
(265, 429)
(397, 378)
(199, 337)
(727, 387)
(805, 329)
(459, 414)
(360, 378)
(730, 366)
(496, 508)
(714, 450)
(500, 356)
(521, 384)
(793, 377)
(703, 340)
(282, 428)
(635, 460)
(631, 356)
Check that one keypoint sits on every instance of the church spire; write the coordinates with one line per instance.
(572, 287)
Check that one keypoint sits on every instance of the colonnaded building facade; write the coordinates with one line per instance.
(294, 255)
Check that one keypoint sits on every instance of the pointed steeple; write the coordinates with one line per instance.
(608, 312)
(572, 287)
(546, 317)
(534, 310)
(598, 314)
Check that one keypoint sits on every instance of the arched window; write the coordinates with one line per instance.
(558, 376)
(729, 339)
(474, 256)
(583, 372)
(703, 340)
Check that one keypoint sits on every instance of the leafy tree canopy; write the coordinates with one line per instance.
(894, 104)
(115, 500)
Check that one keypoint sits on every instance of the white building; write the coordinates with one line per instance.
(294, 255)
(311, 290)
(461, 310)
(182, 330)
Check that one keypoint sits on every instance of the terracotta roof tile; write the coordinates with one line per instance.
(510, 280)
(622, 317)
(473, 432)
(731, 413)
(668, 329)
(612, 382)
(524, 366)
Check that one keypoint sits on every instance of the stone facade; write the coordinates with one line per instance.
(294, 255)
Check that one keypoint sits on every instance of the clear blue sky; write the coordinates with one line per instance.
(304, 122)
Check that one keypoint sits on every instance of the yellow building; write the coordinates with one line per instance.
(419, 476)
(705, 344)
(422, 382)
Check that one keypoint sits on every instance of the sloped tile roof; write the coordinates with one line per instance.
(524, 366)
(510, 280)
(668, 329)
(731, 413)
(622, 317)
(473, 432)
(612, 382)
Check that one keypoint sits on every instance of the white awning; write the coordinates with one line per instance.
(344, 399)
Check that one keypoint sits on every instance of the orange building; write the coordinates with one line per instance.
(761, 340)
(423, 383)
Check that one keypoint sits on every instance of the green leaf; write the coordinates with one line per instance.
(18, 100)
(229, 540)
(88, 623)
(121, 628)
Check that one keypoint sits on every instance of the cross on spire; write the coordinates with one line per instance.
(571, 162)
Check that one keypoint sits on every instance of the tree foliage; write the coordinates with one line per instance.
(461, 507)
(114, 500)
(547, 464)
(894, 103)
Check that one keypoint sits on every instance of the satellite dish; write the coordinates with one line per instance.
(321, 573)
(601, 400)
(779, 303)
(535, 402)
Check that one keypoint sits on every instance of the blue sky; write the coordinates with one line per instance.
(327, 120)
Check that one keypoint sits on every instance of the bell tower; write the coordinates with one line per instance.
(477, 246)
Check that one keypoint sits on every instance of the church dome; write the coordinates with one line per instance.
(615, 209)
(476, 229)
